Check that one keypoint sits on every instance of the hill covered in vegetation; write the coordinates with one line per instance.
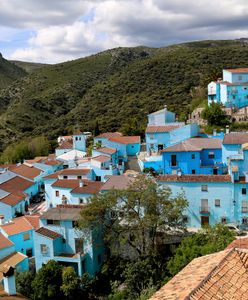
(114, 89)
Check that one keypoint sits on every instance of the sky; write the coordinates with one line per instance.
(52, 31)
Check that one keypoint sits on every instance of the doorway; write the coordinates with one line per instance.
(204, 221)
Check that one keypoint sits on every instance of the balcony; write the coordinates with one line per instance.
(204, 210)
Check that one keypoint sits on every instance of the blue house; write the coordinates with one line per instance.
(9, 257)
(76, 142)
(232, 90)
(194, 156)
(60, 240)
(20, 231)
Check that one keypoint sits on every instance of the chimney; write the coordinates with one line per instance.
(227, 129)
(2, 219)
(214, 132)
(81, 183)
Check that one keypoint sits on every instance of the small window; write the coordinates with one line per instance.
(151, 136)
(99, 259)
(132, 146)
(185, 219)
(74, 224)
(204, 188)
(53, 222)
(223, 220)
(98, 178)
(233, 97)
(79, 138)
(245, 221)
(79, 177)
(244, 208)
(243, 191)
(81, 200)
(43, 249)
(29, 252)
(210, 155)
(76, 138)
(26, 236)
(217, 202)
(239, 77)
(57, 193)
(65, 177)
(193, 171)
(193, 156)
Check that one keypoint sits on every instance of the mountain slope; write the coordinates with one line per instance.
(9, 72)
(115, 88)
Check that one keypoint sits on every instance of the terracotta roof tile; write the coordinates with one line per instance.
(65, 145)
(195, 144)
(236, 138)
(163, 128)
(109, 135)
(106, 150)
(194, 178)
(66, 183)
(238, 70)
(89, 187)
(241, 242)
(48, 233)
(118, 182)
(4, 242)
(74, 171)
(34, 220)
(11, 260)
(17, 225)
(126, 140)
(12, 199)
(63, 212)
(26, 171)
(53, 175)
(16, 185)
(101, 158)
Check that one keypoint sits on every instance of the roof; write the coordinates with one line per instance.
(53, 175)
(126, 139)
(6, 176)
(109, 135)
(26, 171)
(12, 199)
(62, 213)
(240, 242)
(236, 138)
(8, 166)
(237, 70)
(89, 187)
(101, 158)
(16, 185)
(17, 225)
(65, 145)
(194, 178)
(163, 128)
(4, 242)
(118, 182)
(72, 155)
(74, 171)
(47, 160)
(48, 233)
(11, 260)
(66, 183)
(195, 144)
(34, 220)
(106, 150)
(221, 275)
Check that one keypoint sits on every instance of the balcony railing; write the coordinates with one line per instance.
(204, 210)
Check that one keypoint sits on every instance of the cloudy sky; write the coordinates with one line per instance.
(58, 30)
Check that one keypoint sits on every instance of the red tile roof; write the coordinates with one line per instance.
(16, 185)
(126, 140)
(221, 275)
(8, 166)
(4, 242)
(53, 175)
(17, 225)
(48, 233)
(241, 243)
(164, 128)
(236, 138)
(74, 171)
(194, 178)
(65, 145)
(238, 70)
(28, 172)
(106, 150)
(119, 182)
(195, 144)
(101, 158)
(89, 187)
(66, 183)
(12, 199)
(109, 135)
(34, 220)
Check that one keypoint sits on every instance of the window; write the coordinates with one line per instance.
(79, 138)
(57, 193)
(152, 146)
(217, 202)
(79, 177)
(233, 97)
(53, 222)
(243, 191)
(193, 156)
(81, 200)
(29, 252)
(76, 138)
(185, 219)
(79, 244)
(210, 155)
(65, 177)
(245, 221)
(98, 178)
(99, 259)
(173, 160)
(244, 207)
(151, 136)
(193, 171)
(74, 224)
(223, 220)
(204, 188)
(239, 77)
(43, 248)
(26, 236)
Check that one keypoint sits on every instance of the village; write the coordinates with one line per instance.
(41, 198)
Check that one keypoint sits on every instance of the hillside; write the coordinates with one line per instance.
(29, 67)
(115, 88)
(9, 72)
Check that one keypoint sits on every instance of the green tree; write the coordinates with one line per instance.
(215, 115)
(47, 282)
(134, 216)
(70, 283)
(206, 241)
(39, 146)
(24, 283)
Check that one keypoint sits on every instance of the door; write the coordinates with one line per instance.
(204, 206)
(215, 171)
(160, 147)
(204, 221)
(173, 160)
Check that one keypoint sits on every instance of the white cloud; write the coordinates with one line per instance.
(67, 29)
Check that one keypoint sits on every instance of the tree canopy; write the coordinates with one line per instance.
(215, 115)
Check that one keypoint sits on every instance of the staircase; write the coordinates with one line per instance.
(132, 163)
